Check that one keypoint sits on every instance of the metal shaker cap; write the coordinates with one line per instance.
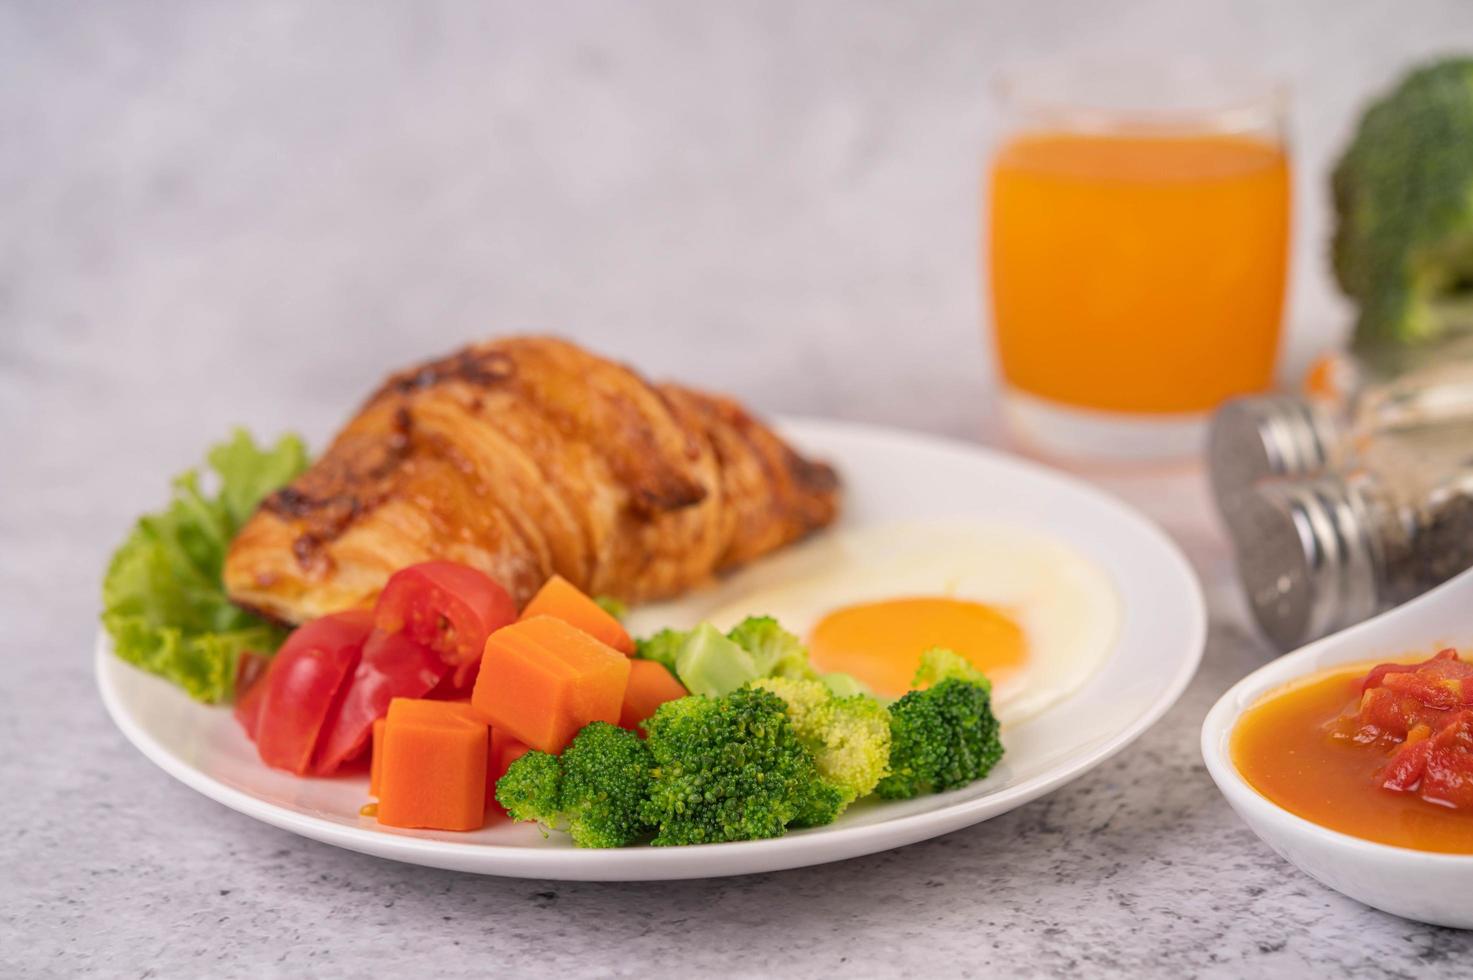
(1307, 557)
(1263, 436)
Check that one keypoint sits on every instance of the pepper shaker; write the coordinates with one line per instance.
(1319, 553)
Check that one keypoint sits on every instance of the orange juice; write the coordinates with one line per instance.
(1138, 273)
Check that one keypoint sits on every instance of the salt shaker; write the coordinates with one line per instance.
(1319, 553)
(1271, 436)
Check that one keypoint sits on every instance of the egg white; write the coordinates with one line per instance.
(1065, 605)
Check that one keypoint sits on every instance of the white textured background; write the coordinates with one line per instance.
(219, 213)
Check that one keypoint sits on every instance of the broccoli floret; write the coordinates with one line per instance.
(713, 665)
(663, 648)
(845, 685)
(939, 663)
(730, 768)
(775, 651)
(823, 805)
(708, 662)
(1403, 194)
(595, 790)
(606, 777)
(856, 744)
(532, 789)
(941, 738)
(802, 699)
(848, 737)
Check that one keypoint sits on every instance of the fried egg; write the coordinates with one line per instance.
(1030, 612)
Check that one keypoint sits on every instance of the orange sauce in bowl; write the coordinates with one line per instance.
(1284, 748)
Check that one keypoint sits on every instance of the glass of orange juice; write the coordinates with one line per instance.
(1138, 250)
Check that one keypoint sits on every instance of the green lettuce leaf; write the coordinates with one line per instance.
(162, 598)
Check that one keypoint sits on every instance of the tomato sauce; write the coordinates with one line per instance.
(1391, 763)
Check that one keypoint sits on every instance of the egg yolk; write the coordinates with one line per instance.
(881, 642)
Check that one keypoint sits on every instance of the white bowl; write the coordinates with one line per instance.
(1420, 885)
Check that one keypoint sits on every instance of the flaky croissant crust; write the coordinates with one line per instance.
(524, 457)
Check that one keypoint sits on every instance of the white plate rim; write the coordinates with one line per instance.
(801, 849)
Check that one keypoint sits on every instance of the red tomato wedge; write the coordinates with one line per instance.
(1379, 673)
(392, 666)
(447, 607)
(250, 671)
(301, 688)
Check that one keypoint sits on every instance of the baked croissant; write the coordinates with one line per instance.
(525, 457)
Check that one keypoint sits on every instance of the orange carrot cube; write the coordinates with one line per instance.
(561, 599)
(433, 773)
(542, 680)
(650, 685)
(504, 751)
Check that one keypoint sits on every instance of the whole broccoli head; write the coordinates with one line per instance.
(731, 768)
(596, 789)
(1403, 193)
(776, 652)
(848, 737)
(941, 738)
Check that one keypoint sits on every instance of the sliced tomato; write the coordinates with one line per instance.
(1409, 763)
(447, 607)
(1378, 674)
(392, 666)
(250, 670)
(303, 684)
(1449, 772)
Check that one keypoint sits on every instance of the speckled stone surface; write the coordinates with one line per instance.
(214, 214)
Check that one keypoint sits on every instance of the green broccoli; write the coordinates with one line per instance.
(663, 648)
(532, 789)
(731, 768)
(1403, 194)
(596, 789)
(848, 737)
(713, 665)
(941, 738)
(708, 662)
(823, 804)
(775, 651)
(939, 663)
(845, 685)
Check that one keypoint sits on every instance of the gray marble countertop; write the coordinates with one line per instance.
(212, 215)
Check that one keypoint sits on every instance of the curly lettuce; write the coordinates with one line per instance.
(163, 600)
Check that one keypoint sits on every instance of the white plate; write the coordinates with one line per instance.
(889, 476)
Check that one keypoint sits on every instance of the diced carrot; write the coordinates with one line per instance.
(433, 773)
(542, 680)
(504, 751)
(376, 759)
(650, 685)
(561, 599)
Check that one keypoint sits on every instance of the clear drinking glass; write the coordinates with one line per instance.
(1138, 231)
